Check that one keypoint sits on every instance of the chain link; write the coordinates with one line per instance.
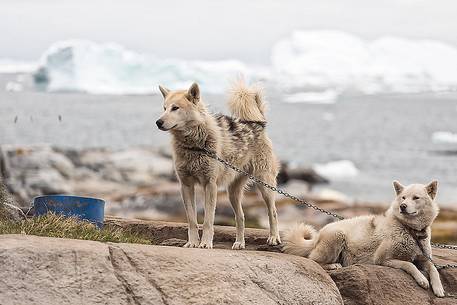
(305, 203)
(271, 187)
(443, 246)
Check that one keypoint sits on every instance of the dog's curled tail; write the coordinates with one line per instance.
(299, 240)
(246, 103)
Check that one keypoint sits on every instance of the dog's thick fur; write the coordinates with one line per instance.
(240, 139)
(390, 240)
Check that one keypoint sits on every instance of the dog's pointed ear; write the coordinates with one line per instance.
(194, 93)
(164, 91)
(432, 188)
(398, 187)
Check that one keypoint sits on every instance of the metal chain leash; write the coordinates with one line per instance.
(305, 203)
(429, 256)
(443, 246)
(271, 187)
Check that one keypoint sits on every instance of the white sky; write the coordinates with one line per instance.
(211, 29)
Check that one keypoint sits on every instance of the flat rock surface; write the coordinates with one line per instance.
(358, 284)
(41, 270)
(172, 233)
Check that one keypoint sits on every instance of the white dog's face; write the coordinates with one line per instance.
(179, 108)
(415, 199)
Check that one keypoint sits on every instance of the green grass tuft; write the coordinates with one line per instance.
(59, 226)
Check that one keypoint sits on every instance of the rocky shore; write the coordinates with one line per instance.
(140, 183)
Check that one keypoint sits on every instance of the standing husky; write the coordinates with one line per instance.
(241, 140)
(396, 239)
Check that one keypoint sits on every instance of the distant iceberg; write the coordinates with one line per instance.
(336, 170)
(86, 66)
(307, 66)
(321, 97)
(15, 66)
(444, 137)
(339, 61)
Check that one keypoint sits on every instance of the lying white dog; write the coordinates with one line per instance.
(400, 238)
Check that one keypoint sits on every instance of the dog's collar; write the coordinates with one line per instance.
(198, 149)
(417, 234)
(193, 148)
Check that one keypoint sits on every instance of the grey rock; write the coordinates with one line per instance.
(37, 170)
(116, 174)
(378, 285)
(40, 270)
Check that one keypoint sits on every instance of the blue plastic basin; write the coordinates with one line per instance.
(90, 209)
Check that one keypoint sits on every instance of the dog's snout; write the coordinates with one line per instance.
(159, 123)
(403, 207)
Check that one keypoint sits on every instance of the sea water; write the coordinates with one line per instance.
(361, 143)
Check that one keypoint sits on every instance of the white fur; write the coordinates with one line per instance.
(383, 240)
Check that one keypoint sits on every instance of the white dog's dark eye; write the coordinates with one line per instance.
(174, 108)
(403, 197)
(415, 198)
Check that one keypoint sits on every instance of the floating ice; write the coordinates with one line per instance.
(14, 87)
(308, 66)
(333, 60)
(337, 169)
(86, 66)
(323, 97)
(15, 66)
(444, 137)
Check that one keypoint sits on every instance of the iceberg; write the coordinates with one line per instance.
(77, 65)
(339, 61)
(306, 66)
(444, 137)
(14, 87)
(15, 66)
(322, 97)
(337, 170)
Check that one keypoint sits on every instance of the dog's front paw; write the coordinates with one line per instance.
(238, 245)
(438, 290)
(206, 244)
(422, 281)
(191, 244)
(274, 240)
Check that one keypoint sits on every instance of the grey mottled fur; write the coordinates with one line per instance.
(241, 140)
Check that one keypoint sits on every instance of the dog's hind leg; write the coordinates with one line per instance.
(188, 197)
(269, 198)
(328, 249)
(210, 209)
(235, 192)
